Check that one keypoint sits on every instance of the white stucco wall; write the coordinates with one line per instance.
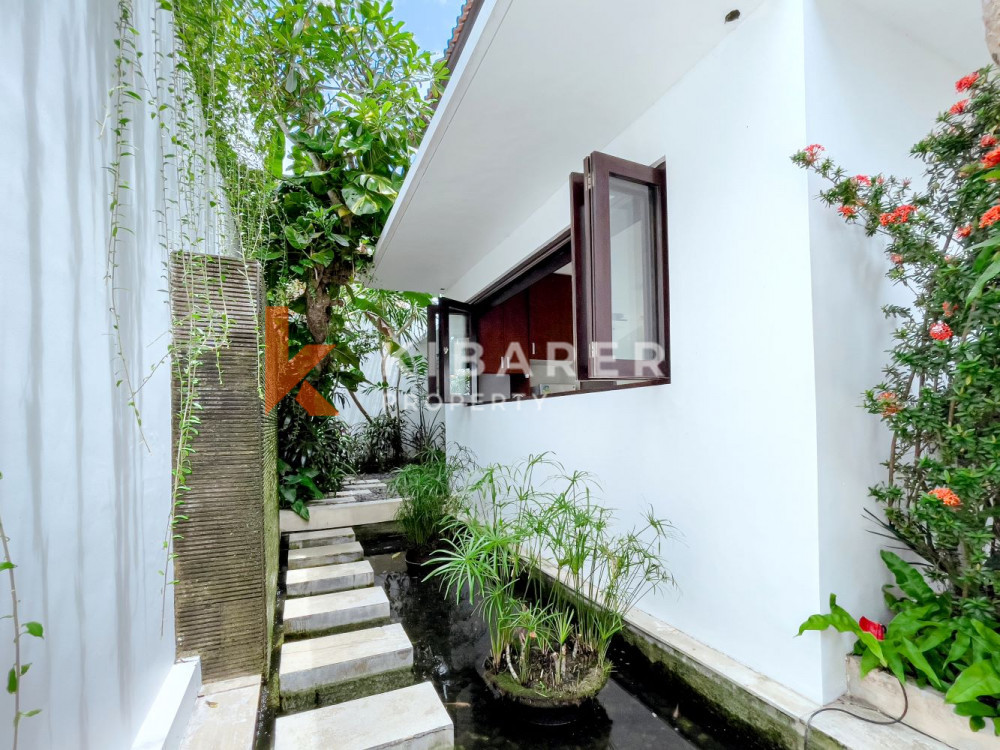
(872, 92)
(727, 451)
(758, 450)
(84, 504)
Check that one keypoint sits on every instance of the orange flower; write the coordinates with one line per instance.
(990, 218)
(863, 180)
(964, 231)
(896, 258)
(967, 82)
(959, 107)
(948, 308)
(992, 159)
(946, 496)
(988, 141)
(887, 400)
(900, 216)
(812, 152)
(847, 211)
(941, 331)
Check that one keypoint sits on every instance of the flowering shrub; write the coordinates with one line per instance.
(940, 398)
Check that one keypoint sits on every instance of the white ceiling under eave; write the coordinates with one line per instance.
(540, 84)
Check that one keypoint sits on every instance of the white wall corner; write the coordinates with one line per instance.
(168, 717)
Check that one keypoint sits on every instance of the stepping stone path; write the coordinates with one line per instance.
(346, 678)
(329, 554)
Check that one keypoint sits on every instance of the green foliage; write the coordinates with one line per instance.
(427, 489)
(928, 643)
(940, 399)
(319, 443)
(21, 629)
(544, 617)
(941, 388)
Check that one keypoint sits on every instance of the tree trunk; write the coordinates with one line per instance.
(991, 19)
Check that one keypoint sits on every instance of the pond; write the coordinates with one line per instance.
(450, 642)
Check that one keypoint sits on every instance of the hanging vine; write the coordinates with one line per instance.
(21, 629)
(196, 188)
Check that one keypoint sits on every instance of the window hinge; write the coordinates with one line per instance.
(590, 181)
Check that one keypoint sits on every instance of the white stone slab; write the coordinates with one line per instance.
(330, 554)
(411, 718)
(332, 500)
(225, 717)
(318, 662)
(326, 579)
(338, 516)
(354, 492)
(364, 481)
(340, 610)
(321, 538)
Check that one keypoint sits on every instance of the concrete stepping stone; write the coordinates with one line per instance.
(321, 671)
(365, 486)
(326, 579)
(353, 493)
(321, 538)
(330, 554)
(338, 612)
(411, 718)
(341, 515)
(353, 480)
(331, 500)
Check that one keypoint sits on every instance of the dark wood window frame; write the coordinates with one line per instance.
(586, 244)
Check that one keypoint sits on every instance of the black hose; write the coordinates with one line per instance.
(890, 722)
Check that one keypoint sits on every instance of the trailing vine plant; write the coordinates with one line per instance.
(21, 629)
(196, 215)
(940, 398)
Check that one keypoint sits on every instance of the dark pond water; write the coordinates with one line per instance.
(450, 641)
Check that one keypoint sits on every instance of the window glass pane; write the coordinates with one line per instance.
(633, 302)
(461, 354)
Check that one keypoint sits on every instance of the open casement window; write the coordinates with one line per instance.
(619, 235)
(451, 352)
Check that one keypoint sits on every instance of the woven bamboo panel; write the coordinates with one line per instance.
(222, 567)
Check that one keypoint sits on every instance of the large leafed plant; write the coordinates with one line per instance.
(940, 398)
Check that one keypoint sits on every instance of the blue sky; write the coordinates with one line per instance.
(430, 21)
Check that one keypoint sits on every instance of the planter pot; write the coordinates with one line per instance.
(418, 562)
(570, 697)
(928, 713)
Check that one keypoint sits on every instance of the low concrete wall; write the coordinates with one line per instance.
(927, 711)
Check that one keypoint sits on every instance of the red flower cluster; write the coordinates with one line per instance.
(992, 159)
(812, 152)
(946, 496)
(990, 218)
(889, 403)
(967, 82)
(948, 308)
(959, 107)
(900, 216)
(965, 231)
(847, 211)
(896, 258)
(863, 180)
(877, 629)
(988, 141)
(941, 331)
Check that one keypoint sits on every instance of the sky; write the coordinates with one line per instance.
(430, 21)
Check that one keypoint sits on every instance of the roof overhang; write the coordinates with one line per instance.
(538, 87)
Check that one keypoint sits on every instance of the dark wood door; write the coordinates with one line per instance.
(492, 339)
(550, 306)
(516, 331)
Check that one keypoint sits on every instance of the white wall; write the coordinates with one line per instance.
(727, 451)
(758, 451)
(84, 504)
(867, 123)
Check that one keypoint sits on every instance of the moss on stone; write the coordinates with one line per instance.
(748, 720)
(569, 694)
(362, 687)
(339, 629)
